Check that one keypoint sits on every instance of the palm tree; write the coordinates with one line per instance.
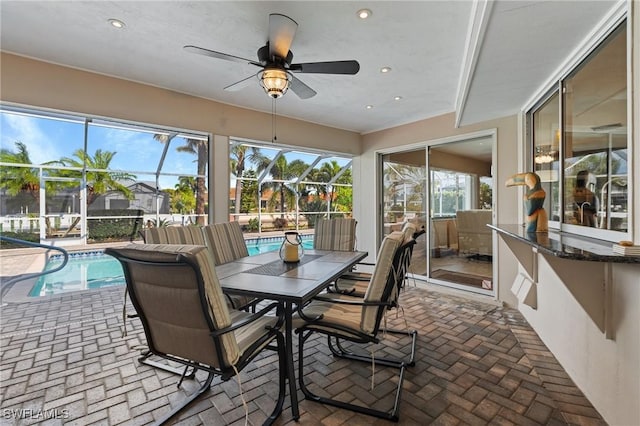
(281, 172)
(326, 173)
(200, 148)
(237, 164)
(19, 179)
(98, 181)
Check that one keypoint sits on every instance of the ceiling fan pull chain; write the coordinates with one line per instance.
(273, 120)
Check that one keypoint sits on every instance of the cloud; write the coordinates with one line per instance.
(25, 129)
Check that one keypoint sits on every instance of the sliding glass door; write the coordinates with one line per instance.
(448, 193)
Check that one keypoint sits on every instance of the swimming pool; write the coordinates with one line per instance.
(94, 269)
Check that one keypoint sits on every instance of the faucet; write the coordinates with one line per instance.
(582, 211)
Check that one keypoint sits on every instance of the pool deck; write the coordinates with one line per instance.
(477, 363)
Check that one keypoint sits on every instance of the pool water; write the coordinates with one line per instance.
(86, 270)
(263, 245)
(94, 269)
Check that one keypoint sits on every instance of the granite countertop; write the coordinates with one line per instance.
(566, 246)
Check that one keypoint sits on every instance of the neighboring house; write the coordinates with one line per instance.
(145, 197)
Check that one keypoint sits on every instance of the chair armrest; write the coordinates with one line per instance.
(355, 301)
(248, 320)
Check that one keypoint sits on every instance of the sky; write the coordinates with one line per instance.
(49, 140)
(136, 151)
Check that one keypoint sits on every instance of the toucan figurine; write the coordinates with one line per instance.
(537, 220)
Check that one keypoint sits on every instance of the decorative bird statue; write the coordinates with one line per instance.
(537, 220)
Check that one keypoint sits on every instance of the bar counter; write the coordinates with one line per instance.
(566, 246)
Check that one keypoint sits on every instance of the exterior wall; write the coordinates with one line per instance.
(427, 131)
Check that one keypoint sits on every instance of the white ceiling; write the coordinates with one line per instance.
(434, 66)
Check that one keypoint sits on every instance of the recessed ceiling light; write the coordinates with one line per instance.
(397, 98)
(117, 23)
(385, 70)
(369, 107)
(364, 13)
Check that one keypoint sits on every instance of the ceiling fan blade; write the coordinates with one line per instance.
(300, 89)
(239, 85)
(218, 55)
(333, 67)
(282, 29)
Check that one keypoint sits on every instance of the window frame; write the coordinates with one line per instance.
(554, 86)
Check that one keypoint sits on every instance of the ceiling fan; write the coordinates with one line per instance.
(275, 59)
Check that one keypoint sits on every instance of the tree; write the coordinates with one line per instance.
(19, 179)
(98, 180)
(240, 154)
(333, 194)
(200, 148)
(249, 199)
(182, 199)
(283, 193)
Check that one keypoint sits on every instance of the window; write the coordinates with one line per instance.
(579, 143)
(96, 172)
(279, 188)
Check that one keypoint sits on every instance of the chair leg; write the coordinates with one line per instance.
(338, 350)
(188, 400)
(282, 381)
(392, 415)
(144, 359)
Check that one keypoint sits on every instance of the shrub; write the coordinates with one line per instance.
(253, 225)
(26, 236)
(280, 222)
(118, 228)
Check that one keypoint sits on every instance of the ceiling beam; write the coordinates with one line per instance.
(478, 24)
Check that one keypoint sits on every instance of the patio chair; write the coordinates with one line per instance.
(226, 242)
(200, 236)
(355, 283)
(356, 321)
(173, 235)
(178, 297)
(335, 234)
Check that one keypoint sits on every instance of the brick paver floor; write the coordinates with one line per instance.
(65, 359)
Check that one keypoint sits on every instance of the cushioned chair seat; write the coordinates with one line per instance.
(333, 314)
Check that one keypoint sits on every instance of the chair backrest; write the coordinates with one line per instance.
(174, 235)
(382, 282)
(226, 242)
(335, 234)
(177, 295)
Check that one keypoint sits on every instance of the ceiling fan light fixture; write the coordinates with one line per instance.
(274, 81)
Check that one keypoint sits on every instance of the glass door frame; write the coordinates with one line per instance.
(490, 134)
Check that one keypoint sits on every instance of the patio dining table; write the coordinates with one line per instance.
(266, 276)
